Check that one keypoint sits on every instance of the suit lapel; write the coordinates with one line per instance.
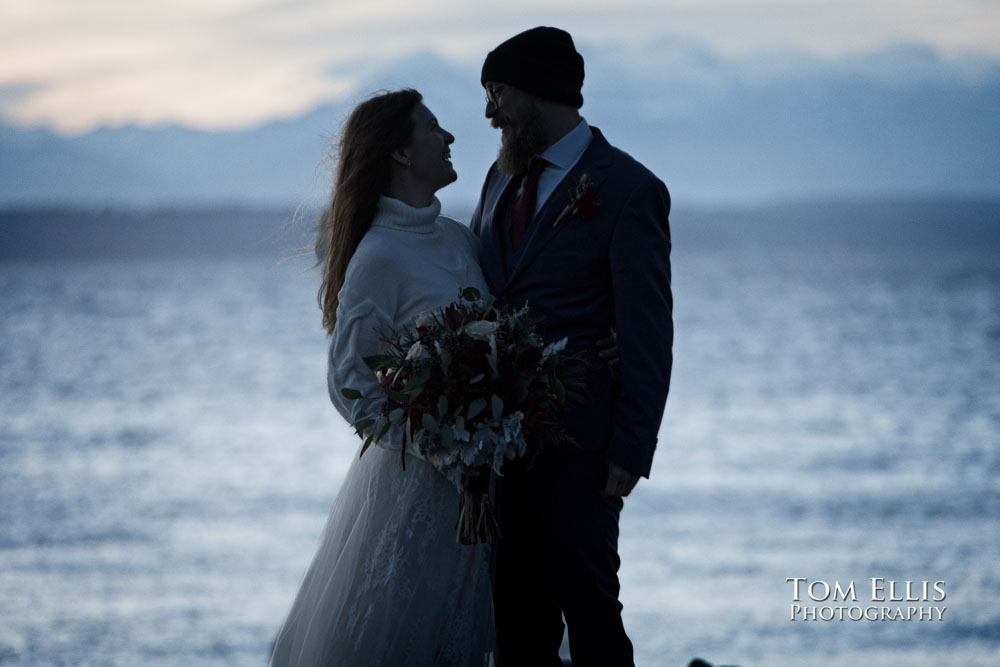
(492, 225)
(594, 162)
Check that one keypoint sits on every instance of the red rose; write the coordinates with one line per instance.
(586, 203)
(583, 200)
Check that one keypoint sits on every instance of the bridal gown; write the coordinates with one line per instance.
(388, 584)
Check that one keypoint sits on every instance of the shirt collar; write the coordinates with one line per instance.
(565, 152)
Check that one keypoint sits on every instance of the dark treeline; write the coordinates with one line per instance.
(876, 223)
(66, 233)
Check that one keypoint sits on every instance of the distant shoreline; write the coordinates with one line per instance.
(67, 232)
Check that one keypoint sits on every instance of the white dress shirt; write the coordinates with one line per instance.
(562, 157)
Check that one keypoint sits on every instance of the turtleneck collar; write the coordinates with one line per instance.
(394, 214)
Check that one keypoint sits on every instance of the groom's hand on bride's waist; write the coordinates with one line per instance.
(608, 349)
(619, 483)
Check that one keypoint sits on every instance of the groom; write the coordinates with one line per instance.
(579, 230)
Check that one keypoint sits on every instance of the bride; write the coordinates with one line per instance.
(389, 585)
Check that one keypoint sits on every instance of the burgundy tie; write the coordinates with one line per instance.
(524, 206)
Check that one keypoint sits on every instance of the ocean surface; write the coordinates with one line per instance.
(168, 453)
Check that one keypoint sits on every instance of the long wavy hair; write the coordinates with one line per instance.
(375, 128)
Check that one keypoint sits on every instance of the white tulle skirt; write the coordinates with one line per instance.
(389, 585)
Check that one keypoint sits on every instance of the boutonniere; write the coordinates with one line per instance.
(583, 200)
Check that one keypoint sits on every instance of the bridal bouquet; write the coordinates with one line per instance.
(471, 385)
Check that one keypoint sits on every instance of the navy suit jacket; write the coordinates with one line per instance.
(587, 274)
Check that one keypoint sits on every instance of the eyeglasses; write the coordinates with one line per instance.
(493, 95)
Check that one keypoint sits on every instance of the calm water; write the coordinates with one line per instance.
(168, 456)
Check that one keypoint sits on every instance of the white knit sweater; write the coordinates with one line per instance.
(411, 260)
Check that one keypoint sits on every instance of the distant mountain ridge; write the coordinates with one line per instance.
(904, 121)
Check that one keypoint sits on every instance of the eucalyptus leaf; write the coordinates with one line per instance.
(363, 424)
(396, 416)
(477, 378)
(497, 405)
(420, 377)
(476, 407)
(447, 437)
(470, 294)
(560, 390)
(364, 447)
(430, 424)
(398, 396)
(350, 394)
(379, 361)
(523, 385)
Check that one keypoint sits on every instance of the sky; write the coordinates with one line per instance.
(73, 66)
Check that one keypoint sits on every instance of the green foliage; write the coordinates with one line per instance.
(470, 384)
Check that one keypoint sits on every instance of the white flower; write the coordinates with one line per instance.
(424, 319)
(417, 351)
(480, 330)
(459, 431)
(512, 426)
(552, 348)
(492, 357)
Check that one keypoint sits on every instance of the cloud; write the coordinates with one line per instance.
(236, 63)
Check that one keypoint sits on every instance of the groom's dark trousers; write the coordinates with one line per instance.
(582, 274)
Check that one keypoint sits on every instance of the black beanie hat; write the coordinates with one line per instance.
(541, 61)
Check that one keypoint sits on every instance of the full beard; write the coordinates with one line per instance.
(520, 142)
